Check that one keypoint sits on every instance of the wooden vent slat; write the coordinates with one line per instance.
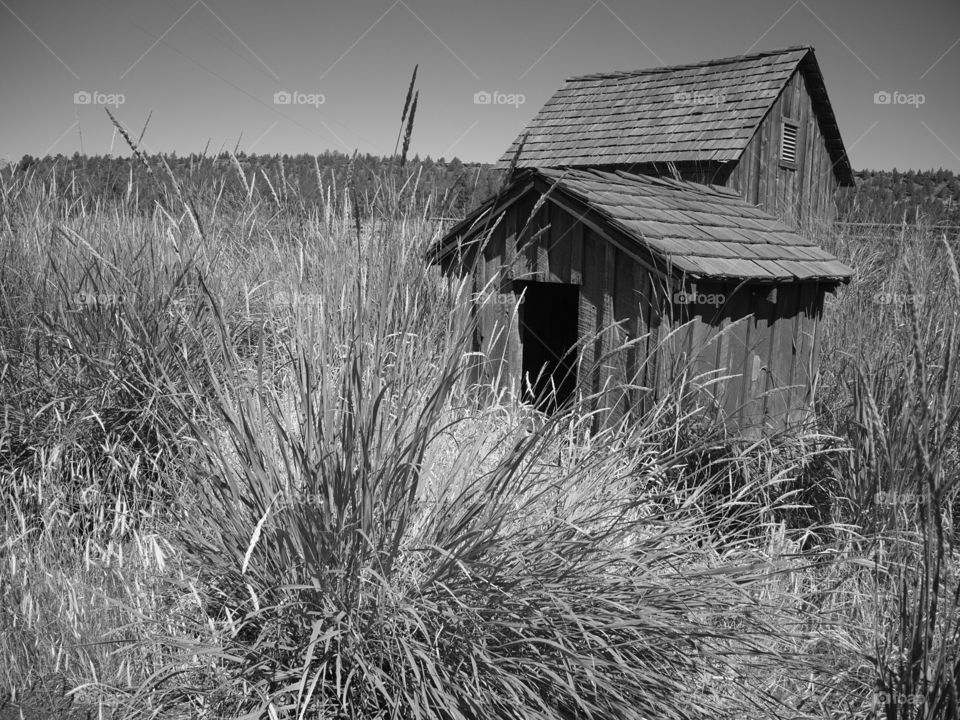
(788, 143)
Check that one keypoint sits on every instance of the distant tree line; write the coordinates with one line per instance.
(885, 196)
(892, 196)
(307, 180)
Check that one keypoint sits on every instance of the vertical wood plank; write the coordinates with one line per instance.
(763, 172)
(809, 170)
(775, 183)
(780, 362)
(704, 340)
(829, 188)
(508, 226)
(735, 361)
(804, 340)
(541, 227)
(735, 179)
(617, 283)
(526, 259)
(646, 348)
(495, 323)
(591, 308)
(814, 372)
(666, 346)
(576, 252)
(560, 246)
(703, 354)
(628, 313)
(763, 304)
(757, 166)
(723, 338)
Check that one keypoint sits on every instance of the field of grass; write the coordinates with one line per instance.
(244, 473)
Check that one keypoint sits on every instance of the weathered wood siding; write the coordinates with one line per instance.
(754, 353)
(802, 196)
(761, 342)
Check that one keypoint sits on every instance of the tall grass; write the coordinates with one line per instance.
(899, 482)
(244, 475)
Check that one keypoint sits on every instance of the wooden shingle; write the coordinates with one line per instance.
(697, 228)
(706, 111)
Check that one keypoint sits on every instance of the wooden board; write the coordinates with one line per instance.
(560, 245)
(780, 361)
(618, 288)
(576, 252)
(734, 352)
(591, 309)
(804, 362)
(628, 311)
(525, 263)
(763, 307)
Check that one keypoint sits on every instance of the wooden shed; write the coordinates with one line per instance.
(761, 124)
(600, 248)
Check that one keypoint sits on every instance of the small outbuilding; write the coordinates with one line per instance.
(591, 247)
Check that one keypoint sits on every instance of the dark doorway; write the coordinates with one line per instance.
(548, 335)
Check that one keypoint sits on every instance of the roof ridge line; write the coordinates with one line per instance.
(686, 66)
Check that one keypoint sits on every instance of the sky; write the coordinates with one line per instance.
(292, 76)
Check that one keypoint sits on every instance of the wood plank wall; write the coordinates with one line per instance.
(803, 197)
(764, 337)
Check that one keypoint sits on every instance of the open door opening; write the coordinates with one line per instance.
(548, 335)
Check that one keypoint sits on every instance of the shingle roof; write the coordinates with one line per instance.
(703, 231)
(707, 111)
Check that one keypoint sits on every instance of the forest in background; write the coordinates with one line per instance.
(882, 196)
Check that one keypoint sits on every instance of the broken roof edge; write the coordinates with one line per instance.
(463, 233)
